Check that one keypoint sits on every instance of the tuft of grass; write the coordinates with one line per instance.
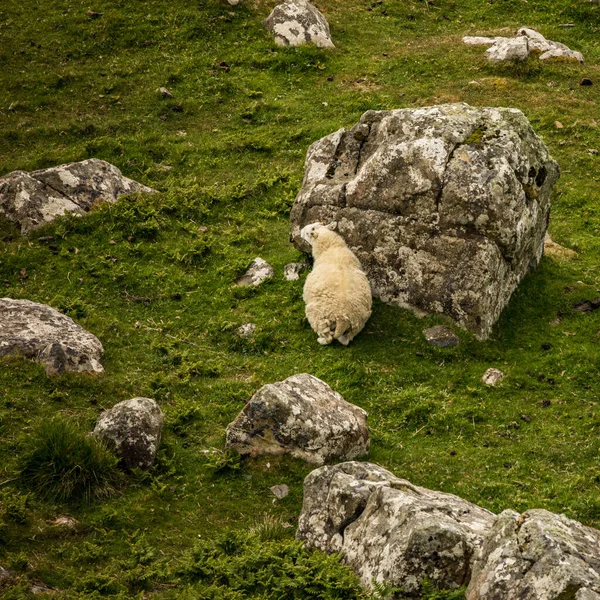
(64, 464)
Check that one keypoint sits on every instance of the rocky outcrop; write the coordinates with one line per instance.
(41, 333)
(390, 530)
(34, 199)
(537, 556)
(258, 271)
(297, 22)
(301, 416)
(133, 429)
(527, 41)
(445, 207)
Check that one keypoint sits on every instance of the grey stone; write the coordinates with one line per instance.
(537, 556)
(133, 429)
(280, 491)
(492, 376)
(301, 416)
(445, 207)
(34, 199)
(291, 271)
(514, 49)
(297, 22)
(246, 330)
(258, 271)
(41, 333)
(390, 530)
(441, 336)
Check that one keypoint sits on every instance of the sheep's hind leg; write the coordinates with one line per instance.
(325, 332)
(344, 339)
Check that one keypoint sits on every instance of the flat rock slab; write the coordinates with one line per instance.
(297, 22)
(537, 556)
(133, 429)
(41, 333)
(527, 41)
(388, 529)
(301, 416)
(258, 271)
(34, 199)
(446, 207)
(441, 336)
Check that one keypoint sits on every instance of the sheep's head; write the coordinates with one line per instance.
(310, 233)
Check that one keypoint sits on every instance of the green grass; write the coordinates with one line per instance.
(227, 154)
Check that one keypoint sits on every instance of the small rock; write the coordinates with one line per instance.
(258, 271)
(291, 271)
(526, 418)
(301, 416)
(41, 333)
(93, 14)
(246, 330)
(441, 336)
(133, 429)
(586, 81)
(280, 491)
(492, 376)
(41, 588)
(297, 22)
(165, 93)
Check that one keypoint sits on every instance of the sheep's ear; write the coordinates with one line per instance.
(332, 226)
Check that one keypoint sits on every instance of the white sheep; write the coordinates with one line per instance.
(337, 292)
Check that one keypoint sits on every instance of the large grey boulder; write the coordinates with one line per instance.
(41, 333)
(297, 22)
(133, 429)
(537, 556)
(301, 416)
(446, 207)
(389, 530)
(34, 199)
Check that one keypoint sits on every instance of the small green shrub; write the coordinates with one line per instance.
(62, 463)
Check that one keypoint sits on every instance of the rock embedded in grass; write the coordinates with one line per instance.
(301, 416)
(537, 555)
(388, 529)
(446, 207)
(41, 333)
(258, 271)
(31, 200)
(297, 22)
(292, 271)
(492, 376)
(441, 336)
(246, 330)
(133, 429)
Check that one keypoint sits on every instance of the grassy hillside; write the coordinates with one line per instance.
(152, 278)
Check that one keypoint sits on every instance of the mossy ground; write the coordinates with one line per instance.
(152, 277)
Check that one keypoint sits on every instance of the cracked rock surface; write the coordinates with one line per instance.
(301, 416)
(538, 555)
(34, 199)
(41, 333)
(527, 41)
(133, 429)
(388, 529)
(446, 207)
(297, 22)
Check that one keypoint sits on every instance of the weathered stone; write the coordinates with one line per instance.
(445, 207)
(297, 22)
(291, 271)
(34, 199)
(301, 416)
(492, 376)
(41, 333)
(556, 251)
(280, 491)
(441, 336)
(258, 271)
(528, 41)
(390, 530)
(537, 556)
(133, 429)
(514, 49)
(246, 330)
(65, 522)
